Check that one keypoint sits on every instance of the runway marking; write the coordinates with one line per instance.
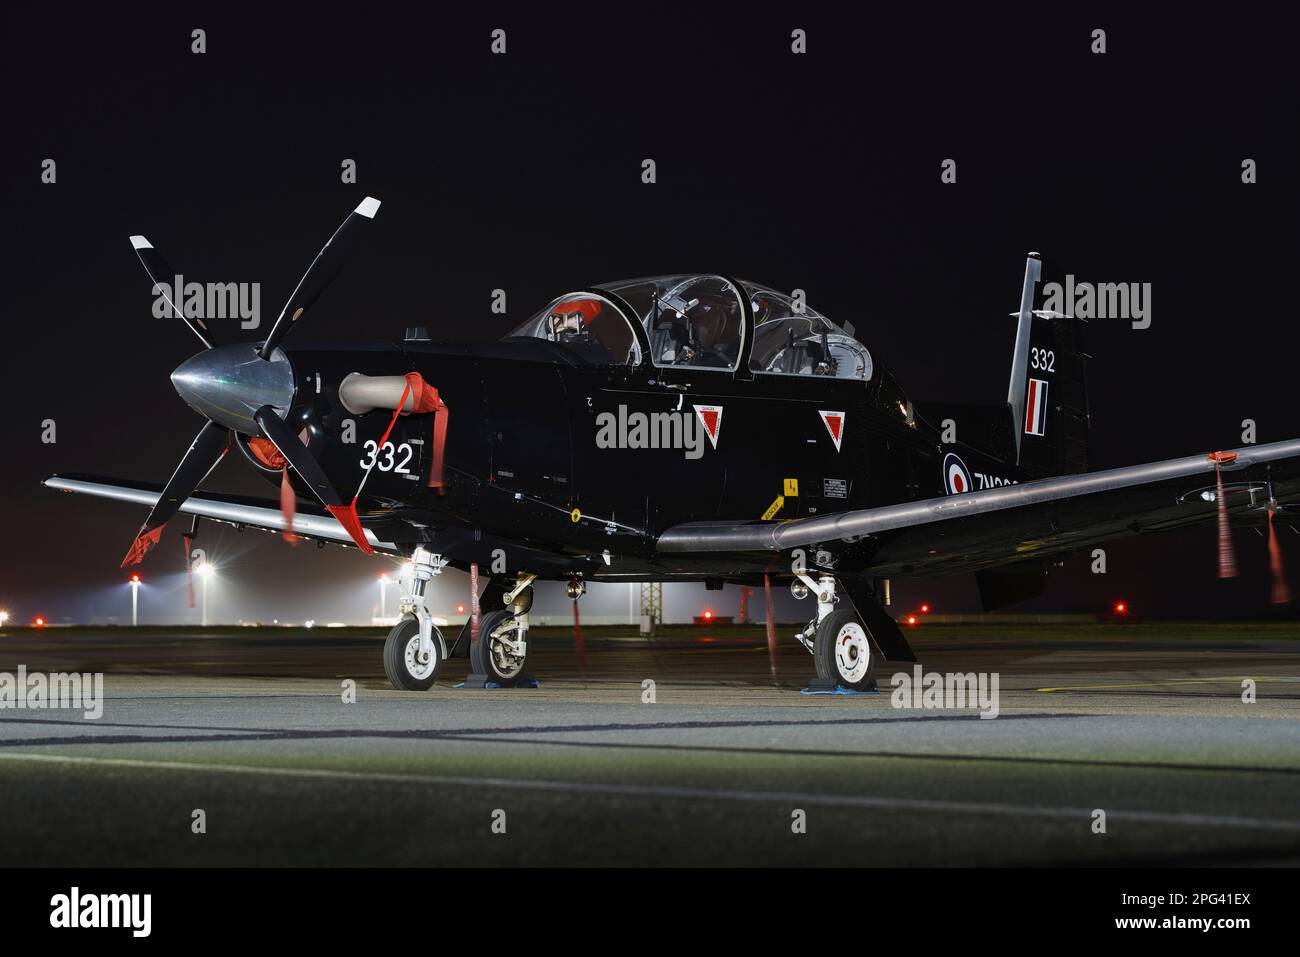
(263, 734)
(1080, 815)
(1159, 684)
(505, 736)
(886, 755)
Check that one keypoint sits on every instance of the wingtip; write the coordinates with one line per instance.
(139, 242)
(368, 207)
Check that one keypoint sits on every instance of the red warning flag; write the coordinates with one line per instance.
(1281, 593)
(1227, 557)
(288, 507)
(187, 540)
(771, 626)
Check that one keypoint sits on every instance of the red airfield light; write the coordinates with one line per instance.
(1120, 608)
(708, 614)
(460, 609)
(910, 620)
(39, 622)
(135, 579)
(925, 609)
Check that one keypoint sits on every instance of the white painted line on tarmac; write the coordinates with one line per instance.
(1077, 814)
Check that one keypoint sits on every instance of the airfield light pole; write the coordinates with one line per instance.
(135, 599)
(205, 572)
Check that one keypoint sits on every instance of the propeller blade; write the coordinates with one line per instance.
(202, 457)
(309, 470)
(164, 284)
(321, 272)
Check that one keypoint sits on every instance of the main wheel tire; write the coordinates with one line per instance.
(843, 652)
(491, 658)
(401, 662)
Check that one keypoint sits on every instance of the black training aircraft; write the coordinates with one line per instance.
(677, 428)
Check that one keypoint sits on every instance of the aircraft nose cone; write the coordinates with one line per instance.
(230, 383)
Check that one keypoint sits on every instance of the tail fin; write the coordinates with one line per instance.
(1048, 393)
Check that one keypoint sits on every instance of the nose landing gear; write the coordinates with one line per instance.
(403, 665)
(415, 650)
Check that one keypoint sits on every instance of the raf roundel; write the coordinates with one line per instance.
(956, 477)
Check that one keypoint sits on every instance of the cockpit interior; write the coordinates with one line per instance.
(698, 321)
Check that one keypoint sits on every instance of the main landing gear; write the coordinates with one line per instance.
(500, 655)
(837, 638)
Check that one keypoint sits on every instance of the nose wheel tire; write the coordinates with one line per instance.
(493, 657)
(402, 664)
(843, 652)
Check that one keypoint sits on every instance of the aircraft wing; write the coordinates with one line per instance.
(309, 522)
(957, 533)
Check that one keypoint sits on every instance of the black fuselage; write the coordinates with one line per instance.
(531, 482)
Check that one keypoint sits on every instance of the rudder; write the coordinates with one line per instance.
(1048, 393)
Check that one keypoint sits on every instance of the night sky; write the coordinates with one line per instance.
(523, 172)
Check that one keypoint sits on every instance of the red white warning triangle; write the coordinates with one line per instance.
(834, 422)
(711, 419)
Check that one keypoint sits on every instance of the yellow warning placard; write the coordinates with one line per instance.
(774, 507)
(792, 487)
